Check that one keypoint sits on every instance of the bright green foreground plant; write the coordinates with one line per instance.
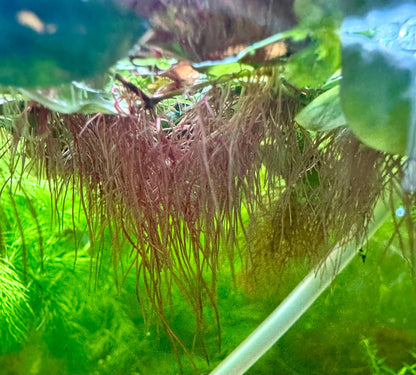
(15, 310)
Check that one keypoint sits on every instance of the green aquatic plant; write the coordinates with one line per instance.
(378, 366)
(15, 310)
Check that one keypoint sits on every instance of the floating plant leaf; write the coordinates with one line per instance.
(379, 69)
(360, 7)
(312, 66)
(76, 97)
(324, 113)
(46, 43)
(319, 21)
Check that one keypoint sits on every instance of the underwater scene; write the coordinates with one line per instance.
(214, 187)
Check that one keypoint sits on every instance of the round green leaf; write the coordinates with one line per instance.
(378, 88)
(323, 113)
(46, 43)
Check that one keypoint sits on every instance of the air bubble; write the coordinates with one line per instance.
(400, 212)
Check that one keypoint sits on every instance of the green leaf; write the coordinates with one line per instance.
(46, 43)
(77, 97)
(379, 76)
(323, 113)
(312, 66)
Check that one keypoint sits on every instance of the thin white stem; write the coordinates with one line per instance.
(292, 308)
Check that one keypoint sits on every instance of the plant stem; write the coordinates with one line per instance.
(298, 301)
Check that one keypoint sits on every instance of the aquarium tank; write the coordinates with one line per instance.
(207, 187)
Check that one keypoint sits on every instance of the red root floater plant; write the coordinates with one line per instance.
(170, 193)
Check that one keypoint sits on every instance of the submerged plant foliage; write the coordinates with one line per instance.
(14, 308)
